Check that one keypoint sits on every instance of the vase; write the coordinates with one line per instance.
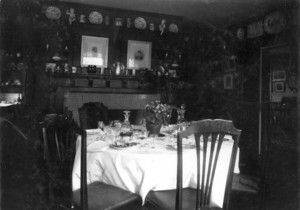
(153, 129)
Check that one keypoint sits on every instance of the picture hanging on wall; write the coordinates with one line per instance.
(139, 54)
(94, 51)
(228, 81)
(229, 64)
(279, 75)
(279, 87)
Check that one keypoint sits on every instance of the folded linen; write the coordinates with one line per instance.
(97, 146)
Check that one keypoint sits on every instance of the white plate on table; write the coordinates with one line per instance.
(123, 146)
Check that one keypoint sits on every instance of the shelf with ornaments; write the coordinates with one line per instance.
(13, 73)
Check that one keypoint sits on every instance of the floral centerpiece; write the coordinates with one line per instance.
(157, 113)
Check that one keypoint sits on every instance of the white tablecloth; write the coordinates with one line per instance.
(150, 165)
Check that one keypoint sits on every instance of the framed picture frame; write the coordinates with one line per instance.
(229, 64)
(94, 51)
(173, 73)
(228, 81)
(279, 75)
(50, 67)
(279, 87)
(139, 54)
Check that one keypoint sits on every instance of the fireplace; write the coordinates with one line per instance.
(121, 101)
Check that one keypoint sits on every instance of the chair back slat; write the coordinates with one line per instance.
(199, 195)
(179, 171)
(57, 143)
(83, 175)
(209, 137)
(45, 143)
(58, 137)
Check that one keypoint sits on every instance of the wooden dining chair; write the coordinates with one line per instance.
(255, 187)
(58, 138)
(252, 187)
(212, 133)
(99, 195)
(92, 112)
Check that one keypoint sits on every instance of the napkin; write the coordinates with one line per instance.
(97, 146)
(94, 134)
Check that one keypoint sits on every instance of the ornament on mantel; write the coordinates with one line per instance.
(72, 16)
(162, 26)
(106, 20)
(128, 22)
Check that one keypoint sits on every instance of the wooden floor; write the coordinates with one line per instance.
(24, 179)
(282, 185)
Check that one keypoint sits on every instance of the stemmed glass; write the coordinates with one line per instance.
(181, 121)
(126, 128)
(181, 112)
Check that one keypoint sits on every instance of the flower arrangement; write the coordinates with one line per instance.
(157, 113)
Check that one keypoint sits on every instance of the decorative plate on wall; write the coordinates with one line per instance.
(240, 33)
(173, 28)
(140, 23)
(274, 23)
(11, 66)
(20, 66)
(95, 18)
(53, 13)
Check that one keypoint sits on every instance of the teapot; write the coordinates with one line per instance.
(118, 68)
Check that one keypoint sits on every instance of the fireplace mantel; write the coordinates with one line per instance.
(122, 101)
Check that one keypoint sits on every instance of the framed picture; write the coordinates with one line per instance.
(94, 51)
(229, 64)
(138, 54)
(279, 87)
(50, 67)
(279, 75)
(228, 81)
(172, 73)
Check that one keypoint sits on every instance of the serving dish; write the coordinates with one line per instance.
(123, 145)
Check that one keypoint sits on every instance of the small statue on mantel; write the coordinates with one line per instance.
(162, 26)
(72, 16)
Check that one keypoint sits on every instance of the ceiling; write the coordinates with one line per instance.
(219, 13)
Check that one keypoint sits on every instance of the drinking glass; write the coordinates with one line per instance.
(181, 112)
(101, 125)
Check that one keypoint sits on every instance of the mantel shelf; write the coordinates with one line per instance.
(95, 76)
(105, 90)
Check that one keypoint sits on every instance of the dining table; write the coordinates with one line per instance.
(141, 163)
